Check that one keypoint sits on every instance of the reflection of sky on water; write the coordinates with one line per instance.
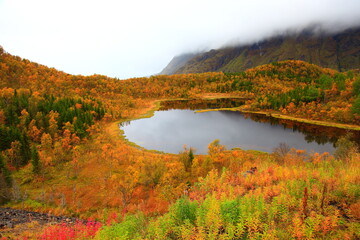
(168, 131)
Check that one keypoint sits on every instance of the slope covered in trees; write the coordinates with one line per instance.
(272, 86)
(338, 51)
(62, 151)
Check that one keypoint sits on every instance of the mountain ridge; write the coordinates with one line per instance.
(340, 51)
(176, 62)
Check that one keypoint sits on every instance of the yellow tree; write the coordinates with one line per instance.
(216, 152)
(23, 119)
(66, 141)
(126, 182)
(46, 141)
(33, 132)
(53, 124)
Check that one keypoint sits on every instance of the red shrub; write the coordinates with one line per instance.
(65, 231)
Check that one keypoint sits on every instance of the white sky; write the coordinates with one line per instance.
(139, 37)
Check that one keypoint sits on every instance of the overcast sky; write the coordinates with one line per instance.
(139, 37)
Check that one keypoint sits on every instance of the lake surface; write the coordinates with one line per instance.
(169, 130)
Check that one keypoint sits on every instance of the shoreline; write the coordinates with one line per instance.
(156, 104)
(287, 117)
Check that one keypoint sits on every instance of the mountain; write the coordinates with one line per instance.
(339, 51)
(176, 63)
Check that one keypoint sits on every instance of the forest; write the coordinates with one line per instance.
(62, 152)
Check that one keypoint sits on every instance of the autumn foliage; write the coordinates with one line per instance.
(61, 145)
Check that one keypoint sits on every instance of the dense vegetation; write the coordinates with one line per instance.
(294, 200)
(62, 151)
(29, 119)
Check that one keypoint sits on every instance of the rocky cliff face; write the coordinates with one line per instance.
(339, 51)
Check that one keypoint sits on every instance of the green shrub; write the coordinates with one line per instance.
(230, 211)
(183, 209)
(340, 81)
(131, 228)
(356, 87)
(325, 82)
(162, 228)
(355, 109)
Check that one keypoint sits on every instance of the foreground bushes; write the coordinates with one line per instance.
(308, 200)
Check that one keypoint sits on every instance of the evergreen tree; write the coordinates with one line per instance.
(25, 149)
(191, 156)
(187, 157)
(11, 116)
(35, 160)
(5, 171)
(5, 140)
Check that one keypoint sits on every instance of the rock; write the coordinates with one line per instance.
(9, 225)
(9, 218)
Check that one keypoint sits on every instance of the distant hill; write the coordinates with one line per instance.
(340, 51)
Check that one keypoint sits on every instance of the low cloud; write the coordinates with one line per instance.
(138, 38)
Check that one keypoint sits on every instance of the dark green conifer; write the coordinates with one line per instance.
(5, 171)
(35, 160)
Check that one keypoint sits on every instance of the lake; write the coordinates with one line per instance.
(177, 124)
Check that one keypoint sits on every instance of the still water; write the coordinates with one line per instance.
(170, 129)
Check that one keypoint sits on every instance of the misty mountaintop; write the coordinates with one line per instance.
(339, 50)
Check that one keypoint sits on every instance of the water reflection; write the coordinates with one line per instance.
(195, 104)
(125, 123)
(168, 130)
(313, 133)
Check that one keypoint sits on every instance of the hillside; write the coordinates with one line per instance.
(176, 63)
(62, 152)
(340, 51)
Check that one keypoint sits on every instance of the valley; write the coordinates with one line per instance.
(63, 153)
